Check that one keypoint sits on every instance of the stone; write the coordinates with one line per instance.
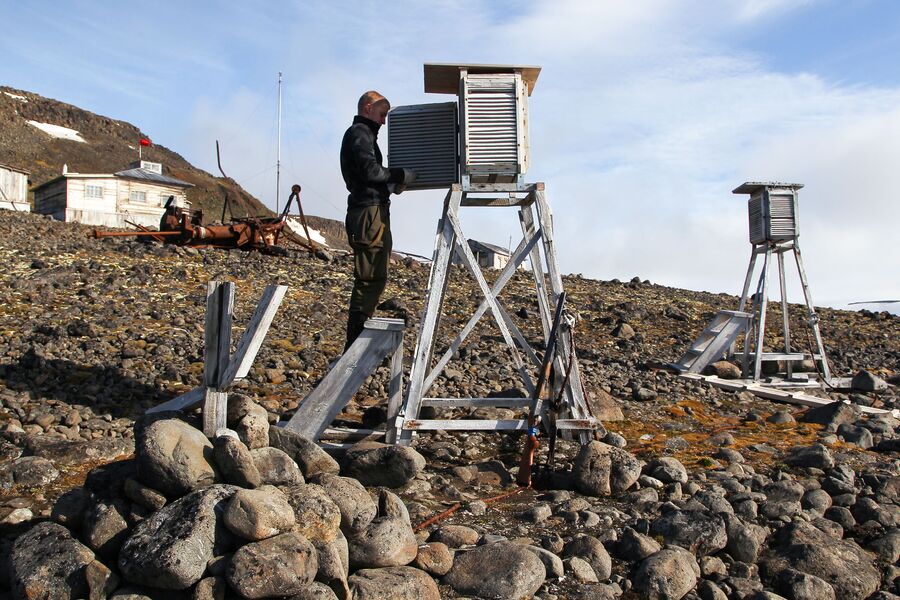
(864, 381)
(635, 547)
(311, 459)
(235, 462)
(249, 420)
(604, 406)
(174, 457)
(667, 575)
(28, 471)
(388, 541)
(317, 591)
(888, 546)
(697, 531)
(552, 563)
(745, 540)
(724, 369)
(258, 514)
(592, 550)
(500, 570)
(101, 580)
(455, 536)
(643, 394)
(817, 501)
(817, 456)
(604, 470)
(393, 583)
(580, 570)
(538, 513)
(832, 415)
(276, 467)
(47, 562)
(854, 434)
(70, 507)
(170, 549)
(354, 502)
(667, 470)
(211, 588)
(277, 566)
(373, 463)
(840, 563)
(145, 496)
(803, 586)
(435, 558)
(317, 516)
(623, 331)
(105, 527)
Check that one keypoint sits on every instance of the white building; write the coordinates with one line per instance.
(487, 255)
(138, 195)
(14, 188)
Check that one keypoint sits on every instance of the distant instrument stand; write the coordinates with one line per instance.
(479, 149)
(774, 215)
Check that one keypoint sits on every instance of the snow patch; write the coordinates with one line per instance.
(58, 131)
(297, 228)
(16, 97)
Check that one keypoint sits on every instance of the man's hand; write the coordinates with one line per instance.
(398, 188)
(409, 176)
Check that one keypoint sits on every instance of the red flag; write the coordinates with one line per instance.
(145, 141)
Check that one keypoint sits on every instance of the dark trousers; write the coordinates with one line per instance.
(369, 234)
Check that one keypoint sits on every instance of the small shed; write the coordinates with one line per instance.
(14, 188)
(488, 256)
(137, 194)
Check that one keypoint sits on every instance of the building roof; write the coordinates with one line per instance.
(16, 169)
(443, 78)
(491, 247)
(145, 175)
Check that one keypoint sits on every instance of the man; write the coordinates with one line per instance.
(368, 220)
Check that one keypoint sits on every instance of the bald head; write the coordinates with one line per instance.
(374, 106)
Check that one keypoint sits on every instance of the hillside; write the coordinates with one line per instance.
(761, 496)
(109, 145)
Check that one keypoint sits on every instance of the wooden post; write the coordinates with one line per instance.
(219, 310)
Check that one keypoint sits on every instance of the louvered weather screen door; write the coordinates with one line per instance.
(424, 137)
(495, 136)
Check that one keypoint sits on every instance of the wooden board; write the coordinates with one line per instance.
(443, 78)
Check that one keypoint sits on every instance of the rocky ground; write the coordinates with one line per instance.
(693, 492)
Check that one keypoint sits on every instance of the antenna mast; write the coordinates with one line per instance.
(278, 151)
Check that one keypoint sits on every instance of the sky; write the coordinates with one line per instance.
(645, 116)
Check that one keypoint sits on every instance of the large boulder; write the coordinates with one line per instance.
(667, 470)
(373, 463)
(249, 420)
(591, 550)
(393, 583)
(603, 470)
(235, 461)
(356, 505)
(317, 516)
(276, 467)
(174, 457)
(105, 527)
(698, 531)
(845, 566)
(667, 575)
(170, 549)
(259, 514)
(47, 562)
(334, 564)
(500, 570)
(278, 566)
(388, 541)
(308, 455)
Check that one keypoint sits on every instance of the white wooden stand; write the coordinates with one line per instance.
(380, 338)
(755, 331)
(537, 227)
(220, 368)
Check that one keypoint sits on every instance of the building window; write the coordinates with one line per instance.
(93, 191)
(137, 196)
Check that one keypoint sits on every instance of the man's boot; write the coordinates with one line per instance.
(355, 322)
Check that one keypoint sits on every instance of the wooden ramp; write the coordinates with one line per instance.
(714, 342)
(790, 397)
(380, 338)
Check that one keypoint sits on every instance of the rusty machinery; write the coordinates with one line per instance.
(185, 227)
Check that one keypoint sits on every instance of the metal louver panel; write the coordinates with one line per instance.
(424, 137)
(781, 215)
(757, 220)
(493, 139)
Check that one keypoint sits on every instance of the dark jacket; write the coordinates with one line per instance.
(361, 166)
